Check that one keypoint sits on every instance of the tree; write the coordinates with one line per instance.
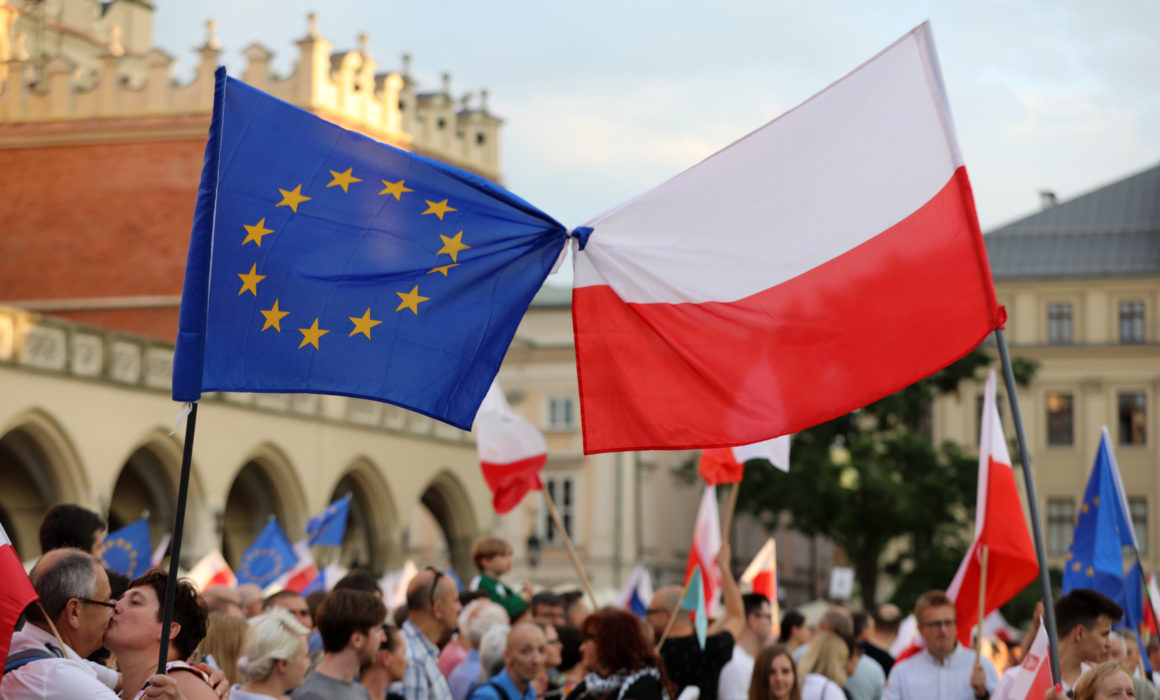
(873, 476)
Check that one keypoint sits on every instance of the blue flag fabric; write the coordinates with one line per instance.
(322, 261)
(270, 556)
(128, 551)
(695, 600)
(329, 527)
(1095, 559)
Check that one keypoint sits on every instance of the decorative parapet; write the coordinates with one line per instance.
(342, 87)
(54, 346)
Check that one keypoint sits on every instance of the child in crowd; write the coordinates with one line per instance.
(492, 556)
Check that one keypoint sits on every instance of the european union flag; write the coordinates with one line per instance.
(270, 556)
(322, 261)
(329, 527)
(128, 550)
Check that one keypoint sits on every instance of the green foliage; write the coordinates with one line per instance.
(873, 476)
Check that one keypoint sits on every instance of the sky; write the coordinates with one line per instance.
(602, 100)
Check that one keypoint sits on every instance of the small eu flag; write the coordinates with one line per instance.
(329, 527)
(128, 550)
(270, 556)
(322, 261)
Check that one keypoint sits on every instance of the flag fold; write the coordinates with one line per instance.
(512, 451)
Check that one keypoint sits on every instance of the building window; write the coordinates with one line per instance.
(1060, 419)
(561, 413)
(1131, 321)
(562, 489)
(1059, 323)
(1138, 507)
(1133, 417)
(1060, 525)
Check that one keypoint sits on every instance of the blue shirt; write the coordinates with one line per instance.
(484, 691)
(464, 676)
(422, 680)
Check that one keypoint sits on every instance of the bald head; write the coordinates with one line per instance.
(523, 658)
(837, 620)
(660, 608)
(419, 593)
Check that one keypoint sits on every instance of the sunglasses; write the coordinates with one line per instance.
(434, 584)
(110, 604)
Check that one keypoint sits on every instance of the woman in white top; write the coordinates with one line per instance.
(274, 657)
(823, 668)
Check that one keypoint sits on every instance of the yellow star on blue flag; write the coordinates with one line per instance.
(128, 550)
(270, 556)
(346, 253)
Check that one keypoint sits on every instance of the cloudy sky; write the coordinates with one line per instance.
(604, 99)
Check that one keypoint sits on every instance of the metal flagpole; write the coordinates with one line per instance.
(178, 526)
(1032, 505)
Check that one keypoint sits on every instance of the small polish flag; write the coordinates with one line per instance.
(15, 595)
(512, 451)
(212, 570)
(705, 546)
(762, 574)
(725, 465)
(1034, 676)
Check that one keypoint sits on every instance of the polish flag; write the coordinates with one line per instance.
(1154, 598)
(212, 570)
(999, 525)
(726, 465)
(512, 451)
(762, 572)
(706, 544)
(816, 265)
(15, 595)
(1034, 677)
(301, 575)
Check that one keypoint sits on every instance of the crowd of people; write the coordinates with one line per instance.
(94, 634)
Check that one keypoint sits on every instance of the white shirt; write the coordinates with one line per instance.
(922, 677)
(67, 678)
(733, 683)
(817, 687)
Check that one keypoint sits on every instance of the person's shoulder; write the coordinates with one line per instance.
(484, 691)
(193, 685)
(646, 687)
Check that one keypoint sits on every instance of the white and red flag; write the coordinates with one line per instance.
(512, 451)
(15, 595)
(762, 573)
(726, 465)
(999, 526)
(704, 548)
(301, 575)
(1154, 597)
(212, 570)
(825, 260)
(1034, 676)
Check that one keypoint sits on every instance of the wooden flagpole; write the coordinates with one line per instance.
(568, 545)
(178, 527)
(1032, 505)
(729, 511)
(673, 614)
(982, 605)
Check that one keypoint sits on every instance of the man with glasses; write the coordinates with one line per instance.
(74, 591)
(944, 669)
(433, 610)
(733, 684)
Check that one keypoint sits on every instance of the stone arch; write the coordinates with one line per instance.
(448, 502)
(148, 482)
(373, 532)
(266, 484)
(39, 466)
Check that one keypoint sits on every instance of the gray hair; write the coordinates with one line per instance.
(486, 615)
(491, 649)
(72, 574)
(273, 636)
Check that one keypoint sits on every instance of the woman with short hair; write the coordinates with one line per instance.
(274, 659)
(621, 661)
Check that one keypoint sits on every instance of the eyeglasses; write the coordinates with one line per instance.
(933, 624)
(110, 604)
(434, 584)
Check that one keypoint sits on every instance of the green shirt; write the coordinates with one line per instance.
(509, 599)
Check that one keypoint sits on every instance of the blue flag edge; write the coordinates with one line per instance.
(189, 351)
